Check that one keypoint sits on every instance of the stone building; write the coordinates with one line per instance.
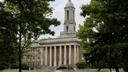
(61, 51)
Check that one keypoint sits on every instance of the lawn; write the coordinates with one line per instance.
(49, 70)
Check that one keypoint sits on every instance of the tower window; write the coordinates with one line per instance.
(67, 28)
(67, 15)
(74, 28)
(73, 15)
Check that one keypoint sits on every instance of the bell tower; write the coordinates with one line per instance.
(69, 22)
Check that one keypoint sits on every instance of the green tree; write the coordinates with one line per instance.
(104, 33)
(7, 39)
(31, 18)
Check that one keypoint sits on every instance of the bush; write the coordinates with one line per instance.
(3, 66)
(62, 67)
(81, 65)
(23, 66)
(15, 66)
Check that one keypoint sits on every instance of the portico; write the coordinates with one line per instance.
(64, 50)
(62, 54)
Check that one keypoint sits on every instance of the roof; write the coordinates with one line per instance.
(69, 4)
(59, 40)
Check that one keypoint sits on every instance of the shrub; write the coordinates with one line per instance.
(23, 66)
(3, 66)
(81, 65)
(14, 66)
(62, 67)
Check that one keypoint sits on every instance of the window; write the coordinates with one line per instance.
(73, 15)
(67, 15)
(74, 28)
(67, 28)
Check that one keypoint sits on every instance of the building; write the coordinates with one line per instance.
(61, 51)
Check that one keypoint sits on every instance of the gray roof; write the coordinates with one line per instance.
(69, 4)
(59, 40)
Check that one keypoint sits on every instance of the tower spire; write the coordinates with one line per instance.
(69, 0)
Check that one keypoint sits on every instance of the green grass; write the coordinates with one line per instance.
(66, 70)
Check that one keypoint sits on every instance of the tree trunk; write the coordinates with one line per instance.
(125, 69)
(110, 70)
(117, 69)
(20, 70)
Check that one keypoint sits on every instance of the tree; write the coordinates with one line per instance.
(7, 39)
(31, 19)
(104, 33)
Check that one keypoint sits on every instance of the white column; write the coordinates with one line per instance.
(46, 51)
(60, 55)
(50, 56)
(54, 55)
(65, 57)
(41, 56)
(70, 54)
(75, 54)
(78, 53)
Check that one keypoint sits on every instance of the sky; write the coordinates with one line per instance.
(58, 12)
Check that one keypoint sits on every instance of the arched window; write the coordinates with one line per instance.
(67, 15)
(67, 28)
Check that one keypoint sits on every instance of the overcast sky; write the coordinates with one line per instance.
(58, 12)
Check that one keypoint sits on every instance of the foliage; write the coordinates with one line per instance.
(22, 20)
(104, 33)
(23, 66)
(81, 65)
(7, 39)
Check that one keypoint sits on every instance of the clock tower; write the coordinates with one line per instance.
(69, 22)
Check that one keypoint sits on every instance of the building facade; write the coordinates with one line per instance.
(62, 51)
